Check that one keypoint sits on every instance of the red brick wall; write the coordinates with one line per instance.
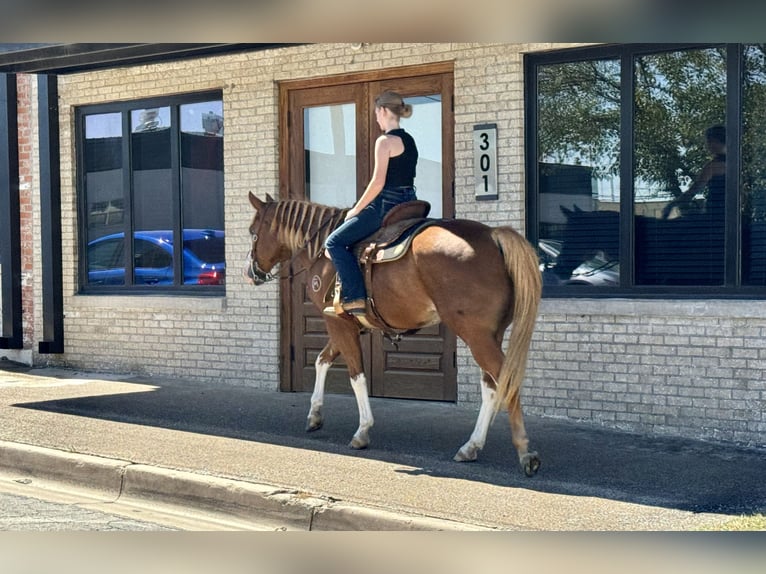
(24, 90)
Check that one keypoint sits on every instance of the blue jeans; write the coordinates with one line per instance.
(340, 243)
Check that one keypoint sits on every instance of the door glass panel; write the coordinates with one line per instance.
(753, 197)
(425, 126)
(578, 170)
(680, 162)
(329, 141)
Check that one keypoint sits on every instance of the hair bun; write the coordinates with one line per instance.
(394, 102)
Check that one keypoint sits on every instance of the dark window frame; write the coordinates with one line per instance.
(626, 54)
(174, 102)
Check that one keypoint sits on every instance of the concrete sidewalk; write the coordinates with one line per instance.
(245, 453)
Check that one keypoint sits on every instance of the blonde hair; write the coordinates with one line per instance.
(394, 102)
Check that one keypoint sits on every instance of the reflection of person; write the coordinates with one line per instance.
(392, 182)
(712, 177)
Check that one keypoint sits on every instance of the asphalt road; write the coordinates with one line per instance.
(31, 513)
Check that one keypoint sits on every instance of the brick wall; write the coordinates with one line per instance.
(690, 368)
(681, 368)
(27, 149)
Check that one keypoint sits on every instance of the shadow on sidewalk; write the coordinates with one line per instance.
(577, 459)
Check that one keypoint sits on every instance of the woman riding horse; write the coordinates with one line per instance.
(392, 183)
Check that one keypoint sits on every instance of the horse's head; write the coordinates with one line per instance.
(265, 250)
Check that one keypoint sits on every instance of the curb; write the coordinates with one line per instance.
(266, 505)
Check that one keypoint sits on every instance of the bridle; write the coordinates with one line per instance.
(254, 271)
(258, 275)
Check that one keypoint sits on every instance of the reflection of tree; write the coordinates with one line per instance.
(677, 96)
(753, 130)
(579, 114)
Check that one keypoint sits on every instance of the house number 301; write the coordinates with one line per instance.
(485, 160)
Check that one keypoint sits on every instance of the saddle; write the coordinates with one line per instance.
(389, 243)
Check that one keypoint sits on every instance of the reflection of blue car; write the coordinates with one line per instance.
(203, 258)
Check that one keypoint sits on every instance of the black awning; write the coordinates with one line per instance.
(68, 58)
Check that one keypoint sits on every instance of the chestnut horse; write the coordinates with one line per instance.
(475, 279)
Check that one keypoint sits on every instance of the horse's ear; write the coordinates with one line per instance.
(269, 198)
(254, 201)
(577, 208)
(566, 211)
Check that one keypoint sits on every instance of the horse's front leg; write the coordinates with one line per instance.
(361, 438)
(322, 366)
(344, 337)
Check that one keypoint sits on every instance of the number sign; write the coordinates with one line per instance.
(485, 160)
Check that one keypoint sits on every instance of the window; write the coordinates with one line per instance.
(646, 169)
(151, 179)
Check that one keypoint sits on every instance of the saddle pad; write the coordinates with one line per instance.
(399, 246)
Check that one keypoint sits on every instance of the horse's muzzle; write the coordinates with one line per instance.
(253, 272)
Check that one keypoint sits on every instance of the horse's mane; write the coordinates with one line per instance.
(298, 224)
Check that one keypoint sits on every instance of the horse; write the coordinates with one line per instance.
(475, 279)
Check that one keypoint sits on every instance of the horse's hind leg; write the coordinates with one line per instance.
(530, 461)
(321, 365)
(470, 450)
(488, 353)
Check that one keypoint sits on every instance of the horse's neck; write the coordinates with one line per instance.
(305, 227)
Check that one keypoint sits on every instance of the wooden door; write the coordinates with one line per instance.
(422, 365)
(330, 132)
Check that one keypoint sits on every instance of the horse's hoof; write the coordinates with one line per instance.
(358, 444)
(466, 455)
(530, 462)
(312, 426)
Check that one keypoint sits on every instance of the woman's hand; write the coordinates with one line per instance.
(353, 212)
(668, 208)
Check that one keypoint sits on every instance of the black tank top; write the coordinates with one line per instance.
(401, 169)
(716, 193)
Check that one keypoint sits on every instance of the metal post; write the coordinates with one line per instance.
(11, 335)
(50, 216)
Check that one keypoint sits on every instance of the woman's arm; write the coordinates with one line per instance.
(697, 186)
(383, 146)
(699, 183)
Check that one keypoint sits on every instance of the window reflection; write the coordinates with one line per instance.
(578, 171)
(202, 191)
(166, 226)
(680, 167)
(152, 176)
(102, 166)
(753, 197)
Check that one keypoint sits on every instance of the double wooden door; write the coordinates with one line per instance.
(329, 133)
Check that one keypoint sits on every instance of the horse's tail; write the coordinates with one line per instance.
(523, 266)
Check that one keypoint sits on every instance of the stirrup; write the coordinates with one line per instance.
(354, 308)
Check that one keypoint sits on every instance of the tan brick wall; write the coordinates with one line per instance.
(647, 367)
(683, 368)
